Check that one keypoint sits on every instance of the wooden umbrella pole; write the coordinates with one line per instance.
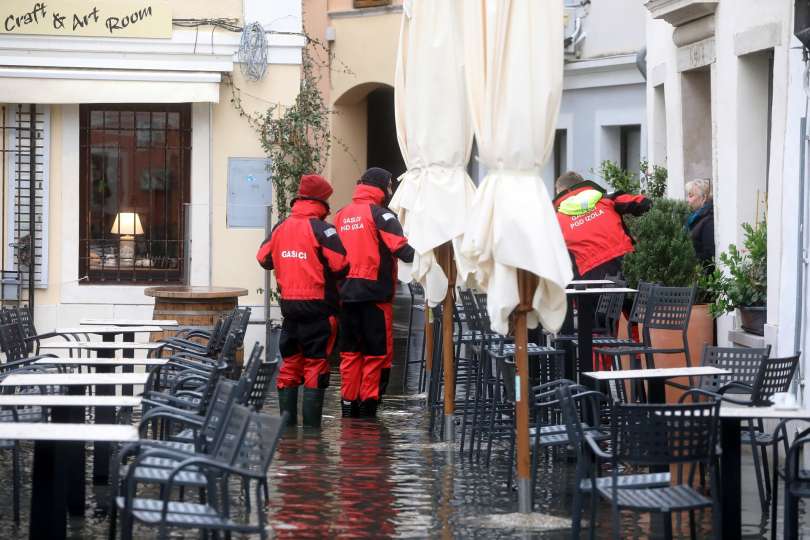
(444, 254)
(527, 283)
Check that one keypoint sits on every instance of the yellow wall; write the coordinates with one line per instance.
(201, 9)
(234, 250)
(370, 67)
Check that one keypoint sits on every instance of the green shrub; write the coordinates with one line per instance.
(653, 180)
(618, 178)
(663, 253)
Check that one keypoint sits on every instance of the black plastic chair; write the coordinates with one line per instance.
(659, 436)
(572, 402)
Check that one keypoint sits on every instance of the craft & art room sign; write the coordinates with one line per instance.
(111, 18)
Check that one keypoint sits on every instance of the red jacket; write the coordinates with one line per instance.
(597, 234)
(308, 258)
(373, 238)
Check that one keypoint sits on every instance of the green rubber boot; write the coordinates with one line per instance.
(368, 408)
(312, 407)
(288, 401)
(350, 409)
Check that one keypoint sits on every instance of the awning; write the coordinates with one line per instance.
(58, 86)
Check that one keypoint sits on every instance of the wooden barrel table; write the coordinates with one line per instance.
(199, 307)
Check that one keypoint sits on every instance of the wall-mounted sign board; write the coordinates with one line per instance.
(250, 192)
(100, 18)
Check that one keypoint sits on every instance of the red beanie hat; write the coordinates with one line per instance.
(315, 187)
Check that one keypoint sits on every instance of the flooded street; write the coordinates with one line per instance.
(360, 478)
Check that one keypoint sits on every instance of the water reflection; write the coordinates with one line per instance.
(389, 478)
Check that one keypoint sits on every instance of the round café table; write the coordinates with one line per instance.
(199, 307)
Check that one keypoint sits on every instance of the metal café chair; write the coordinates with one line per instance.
(244, 452)
(795, 476)
(416, 292)
(658, 436)
(667, 308)
(774, 375)
(572, 401)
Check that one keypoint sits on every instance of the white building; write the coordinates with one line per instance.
(602, 114)
(724, 84)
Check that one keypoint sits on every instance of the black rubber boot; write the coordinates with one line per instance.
(350, 409)
(368, 408)
(312, 407)
(288, 401)
(385, 376)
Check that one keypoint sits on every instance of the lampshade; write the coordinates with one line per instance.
(127, 223)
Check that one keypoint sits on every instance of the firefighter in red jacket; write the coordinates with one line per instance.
(592, 226)
(374, 240)
(308, 258)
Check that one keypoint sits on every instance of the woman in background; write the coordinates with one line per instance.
(701, 221)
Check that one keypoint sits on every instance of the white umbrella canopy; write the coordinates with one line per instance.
(435, 134)
(514, 70)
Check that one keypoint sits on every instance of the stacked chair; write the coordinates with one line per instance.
(417, 303)
(207, 432)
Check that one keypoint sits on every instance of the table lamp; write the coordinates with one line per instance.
(127, 224)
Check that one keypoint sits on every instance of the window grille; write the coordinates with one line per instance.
(135, 163)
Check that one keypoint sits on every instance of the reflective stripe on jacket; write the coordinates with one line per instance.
(373, 238)
(597, 234)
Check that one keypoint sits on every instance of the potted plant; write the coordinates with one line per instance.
(664, 254)
(741, 281)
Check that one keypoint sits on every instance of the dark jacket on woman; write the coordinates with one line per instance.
(701, 231)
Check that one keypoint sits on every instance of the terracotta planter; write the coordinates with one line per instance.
(701, 332)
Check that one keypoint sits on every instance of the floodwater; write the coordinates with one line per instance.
(389, 477)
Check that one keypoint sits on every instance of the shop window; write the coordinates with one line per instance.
(135, 162)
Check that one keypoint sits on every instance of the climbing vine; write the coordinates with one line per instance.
(295, 137)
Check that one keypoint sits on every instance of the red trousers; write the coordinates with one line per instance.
(366, 348)
(304, 347)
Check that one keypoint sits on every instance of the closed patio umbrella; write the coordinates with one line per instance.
(514, 71)
(435, 136)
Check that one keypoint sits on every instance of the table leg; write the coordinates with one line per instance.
(103, 415)
(657, 391)
(128, 337)
(585, 309)
(570, 360)
(48, 492)
(730, 502)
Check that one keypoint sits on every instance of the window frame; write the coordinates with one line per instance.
(131, 275)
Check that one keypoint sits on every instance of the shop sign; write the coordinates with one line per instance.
(111, 18)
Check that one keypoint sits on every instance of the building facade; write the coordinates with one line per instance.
(726, 102)
(143, 166)
(602, 115)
